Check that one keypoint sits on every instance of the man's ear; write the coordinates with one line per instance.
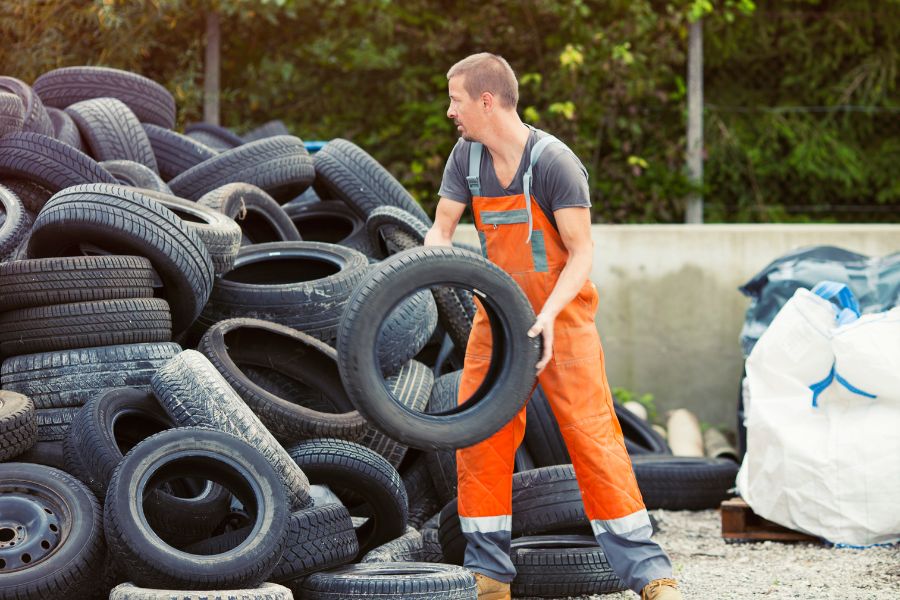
(487, 101)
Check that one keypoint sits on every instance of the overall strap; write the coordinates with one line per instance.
(474, 176)
(536, 152)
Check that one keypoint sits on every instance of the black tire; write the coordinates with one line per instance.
(111, 131)
(544, 500)
(219, 233)
(423, 498)
(148, 100)
(194, 394)
(222, 458)
(514, 354)
(64, 128)
(268, 129)
(215, 136)
(81, 215)
(175, 153)
(18, 426)
(57, 525)
(684, 483)
(303, 285)
(406, 548)
(33, 195)
(561, 566)
(411, 388)
(35, 117)
(266, 591)
(279, 165)
(53, 423)
(261, 218)
(409, 581)
(48, 162)
(385, 221)
(133, 174)
(12, 113)
(330, 222)
(352, 471)
(640, 437)
(41, 282)
(347, 172)
(442, 463)
(48, 454)
(16, 223)
(232, 343)
(431, 545)
(69, 378)
(318, 538)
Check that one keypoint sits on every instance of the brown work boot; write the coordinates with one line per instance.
(661, 589)
(491, 589)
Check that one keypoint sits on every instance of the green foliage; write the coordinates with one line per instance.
(623, 395)
(606, 77)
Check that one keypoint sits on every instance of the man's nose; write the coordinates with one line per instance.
(450, 112)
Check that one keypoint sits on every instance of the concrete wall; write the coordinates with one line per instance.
(670, 313)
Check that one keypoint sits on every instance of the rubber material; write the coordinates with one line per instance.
(561, 566)
(133, 174)
(34, 115)
(48, 162)
(111, 131)
(18, 427)
(333, 222)
(175, 153)
(266, 591)
(261, 218)
(410, 581)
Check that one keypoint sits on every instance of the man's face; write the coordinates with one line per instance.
(464, 110)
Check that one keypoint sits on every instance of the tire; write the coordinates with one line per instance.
(42, 282)
(268, 129)
(175, 153)
(70, 378)
(318, 538)
(544, 500)
(640, 437)
(406, 548)
(149, 101)
(261, 218)
(134, 174)
(49, 505)
(330, 222)
(405, 332)
(12, 113)
(53, 423)
(224, 459)
(279, 165)
(216, 137)
(81, 215)
(194, 394)
(16, 225)
(431, 545)
(353, 471)
(48, 454)
(18, 427)
(49, 162)
(409, 581)
(266, 591)
(303, 285)
(33, 195)
(111, 131)
(561, 566)
(684, 483)
(34, 116)
(442, 463)
(64, 128)
(347, 172)
(84, 325)
(423, 498)
(385, 222)
(411, 388)
(219, 233)
(233, 343)
(514, 353)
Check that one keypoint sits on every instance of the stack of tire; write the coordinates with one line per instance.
(245, 468)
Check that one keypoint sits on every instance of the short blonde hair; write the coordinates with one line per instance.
(486, 72)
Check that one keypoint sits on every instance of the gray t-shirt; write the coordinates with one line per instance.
(557, 178)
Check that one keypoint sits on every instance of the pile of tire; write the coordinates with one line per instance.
(230, 370)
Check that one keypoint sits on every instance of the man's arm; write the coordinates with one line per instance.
(446, 218)
(574, 224)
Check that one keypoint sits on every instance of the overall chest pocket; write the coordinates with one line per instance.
(504, 240)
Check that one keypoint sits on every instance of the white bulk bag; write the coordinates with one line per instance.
(823, 422)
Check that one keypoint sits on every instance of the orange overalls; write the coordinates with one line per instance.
(517, 236)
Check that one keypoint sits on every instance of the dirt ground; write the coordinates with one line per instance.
(708, 568)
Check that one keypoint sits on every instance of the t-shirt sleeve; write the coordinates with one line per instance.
(454, 185)
(563, 179)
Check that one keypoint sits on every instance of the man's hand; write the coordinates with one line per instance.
(543, 325)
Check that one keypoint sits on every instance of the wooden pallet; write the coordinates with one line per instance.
(740, 523)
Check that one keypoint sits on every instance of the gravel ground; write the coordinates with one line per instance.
(710, 569)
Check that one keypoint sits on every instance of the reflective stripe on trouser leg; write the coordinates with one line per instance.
(579, 395)
(485, 482)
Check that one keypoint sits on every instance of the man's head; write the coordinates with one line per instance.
(479, 85)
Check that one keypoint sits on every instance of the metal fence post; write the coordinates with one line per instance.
(211, 70)
(694, 212)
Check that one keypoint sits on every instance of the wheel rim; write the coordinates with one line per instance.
(30, 528)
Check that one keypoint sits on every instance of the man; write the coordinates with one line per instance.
(531, 206)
